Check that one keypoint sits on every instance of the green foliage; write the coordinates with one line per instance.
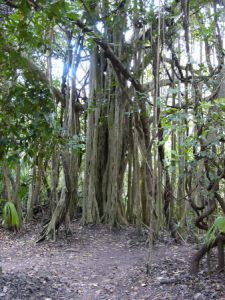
(28, 121)
(77, 143)
(217, 228)
(10, 216)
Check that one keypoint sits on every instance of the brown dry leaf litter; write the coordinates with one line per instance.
(96, 263)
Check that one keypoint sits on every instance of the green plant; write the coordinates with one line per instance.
(217, 228)
(10, 216)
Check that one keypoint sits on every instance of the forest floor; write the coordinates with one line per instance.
(99, 263)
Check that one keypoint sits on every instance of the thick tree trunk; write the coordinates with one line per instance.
(66, 206)
(54, 180)
(90, 204)
(195, 260)
(34, 189)
(61, 211)
(58, 217)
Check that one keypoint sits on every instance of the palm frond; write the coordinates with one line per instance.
(10, 216)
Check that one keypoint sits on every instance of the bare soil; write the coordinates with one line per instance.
(97, 263)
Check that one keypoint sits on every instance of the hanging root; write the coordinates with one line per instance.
(195, 260)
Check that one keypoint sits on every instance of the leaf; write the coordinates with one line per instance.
(217, 228)
(220, 224)
(10, 215)
(72, 16)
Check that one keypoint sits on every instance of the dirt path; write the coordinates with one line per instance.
(96, 263)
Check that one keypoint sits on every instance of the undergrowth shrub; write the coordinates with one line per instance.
(217, 228)
(10, 217)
